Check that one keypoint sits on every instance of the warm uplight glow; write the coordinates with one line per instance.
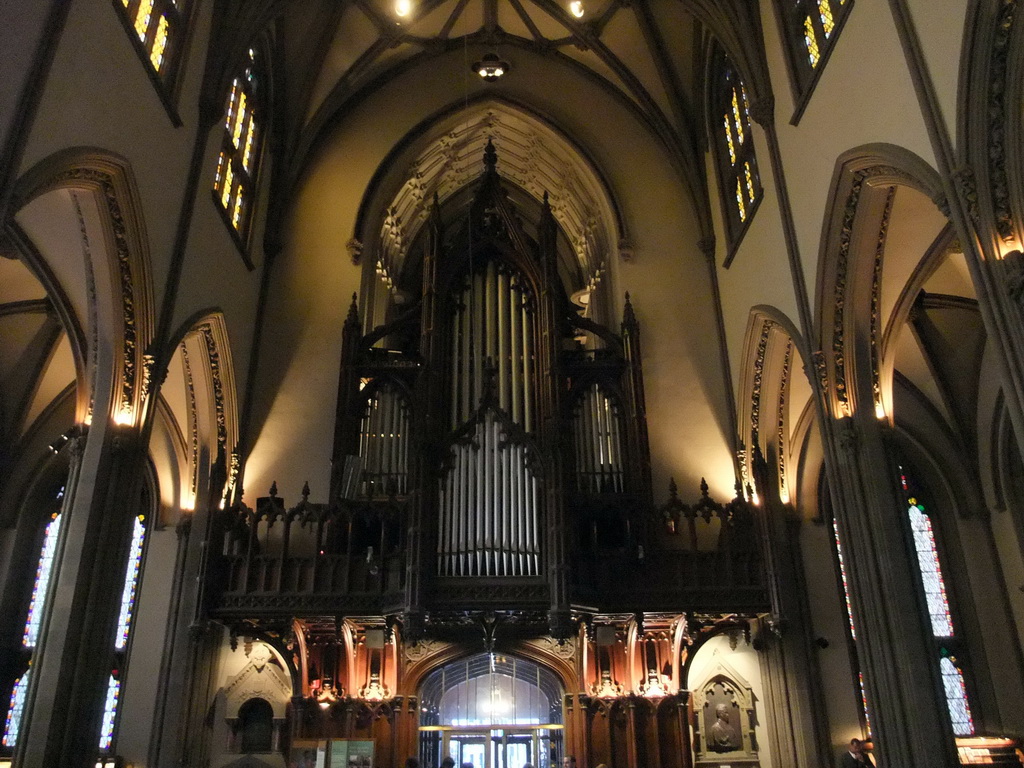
(879, 411)
(576, 8)
(403, 8)
(123, 417)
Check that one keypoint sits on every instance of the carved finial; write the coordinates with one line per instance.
(738, 487)
(273, 489)
(490, 155)
(353, 311)
(703, 488)
(628, 316)
(305, 491)
(673, 490)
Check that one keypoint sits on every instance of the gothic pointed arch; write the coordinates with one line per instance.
(104, 270)
(775, 398)
(850, 315)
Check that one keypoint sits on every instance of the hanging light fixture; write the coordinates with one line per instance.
(403, 8)
(491, 67)
(576, 8)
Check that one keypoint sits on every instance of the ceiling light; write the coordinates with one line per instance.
(403, 8)
(490, 67)
(576, 8)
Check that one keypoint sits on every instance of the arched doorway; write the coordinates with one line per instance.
(493, 711)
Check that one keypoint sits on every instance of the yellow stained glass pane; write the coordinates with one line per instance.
(229, 176)
(231, 105)
(156, 56)
(750, 181)
(220, 172)
(236, 215)
(125, 2)
(828, 23)
(736, 116)
(236, 134)
(142, 17)
(249, 133)
(728, 140)
(811, 42)
(739, 201)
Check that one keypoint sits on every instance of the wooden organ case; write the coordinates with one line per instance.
(491, 492)
(491, 432)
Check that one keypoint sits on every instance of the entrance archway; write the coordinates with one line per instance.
(492, 711)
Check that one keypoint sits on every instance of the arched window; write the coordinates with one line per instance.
(810, 29)
(739, 184)
(256, 725)
(933, 583)
(855, 660)
(234, 185)
(122, 637)
(157, 28)
(50, 498)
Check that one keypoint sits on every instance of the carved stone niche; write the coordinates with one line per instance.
(723, 710)
(260, 678)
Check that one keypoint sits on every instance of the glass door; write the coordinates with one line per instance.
(514, 749)
(469, 747)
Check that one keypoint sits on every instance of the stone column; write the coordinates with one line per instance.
(789, 668)
(74, 658)
(908, 709)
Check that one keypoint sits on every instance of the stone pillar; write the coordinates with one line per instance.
(908, 709)
(74, 658)
(789, 667)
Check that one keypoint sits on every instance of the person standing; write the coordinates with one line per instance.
(856, 757)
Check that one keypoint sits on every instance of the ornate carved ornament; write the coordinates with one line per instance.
(876, 299)
(996, 137)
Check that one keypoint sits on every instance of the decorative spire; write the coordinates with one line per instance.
(490, 156)
(628, 316)
(353, 311)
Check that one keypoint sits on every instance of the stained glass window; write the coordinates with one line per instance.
(931, 571)
(811, 28)
(109, 712)
(956, 697)
(131, 581)
(864, 703)
(846, 585)
(15, 710)
(157, 25)
(44, 569)
(235, 179)
(737, 165)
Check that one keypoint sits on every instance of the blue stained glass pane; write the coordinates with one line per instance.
(956, 698)
(15, 710)
(43, 572)
(931, 571)
(131, 581)
(109, 712)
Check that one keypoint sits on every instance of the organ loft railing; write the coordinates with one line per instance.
(490, 451)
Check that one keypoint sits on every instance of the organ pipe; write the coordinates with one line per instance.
(597, 430)
(488, 498)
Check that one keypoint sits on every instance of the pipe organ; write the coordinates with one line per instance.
(597, 435)
(384, 443)
(488, 500)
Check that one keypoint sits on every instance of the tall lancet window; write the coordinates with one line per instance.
(489, 496)
(597, 434)
(939, 614)
(384, 442)
(21, 659)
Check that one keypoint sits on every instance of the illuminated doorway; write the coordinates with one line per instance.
(491, 711)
